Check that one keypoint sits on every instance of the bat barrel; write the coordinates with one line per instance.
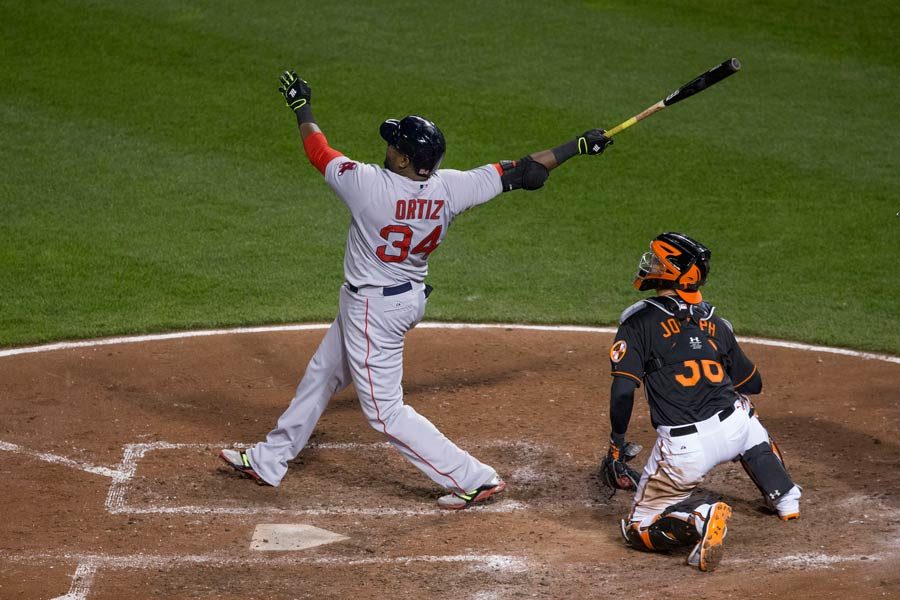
(698, 84)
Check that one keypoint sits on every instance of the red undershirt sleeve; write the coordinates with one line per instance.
(319, 152)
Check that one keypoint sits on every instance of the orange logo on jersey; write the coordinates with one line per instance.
(618, 350)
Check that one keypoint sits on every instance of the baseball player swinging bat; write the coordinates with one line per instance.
(711, 77)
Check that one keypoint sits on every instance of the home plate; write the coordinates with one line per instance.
(292, 537)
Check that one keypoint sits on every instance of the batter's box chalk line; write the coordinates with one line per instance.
(116, 501)
(59, 460)
(89, 564)
(123, 476)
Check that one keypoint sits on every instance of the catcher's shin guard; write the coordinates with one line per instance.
(765, 467)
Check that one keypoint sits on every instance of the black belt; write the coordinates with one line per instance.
(394, 290)
(689, 429)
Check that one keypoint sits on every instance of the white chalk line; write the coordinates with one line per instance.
(116, 498)
(814, 560)
(59, 460)
(499, 562)
(429, 325)
(88, 564)
(496, 562)
(502, 506)
(81, 582)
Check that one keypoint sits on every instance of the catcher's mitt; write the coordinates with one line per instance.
(615, 474)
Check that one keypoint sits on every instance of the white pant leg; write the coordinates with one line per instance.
(326, 374)
(756, 434)
(729, 441)
(667, 478)
(678, 464)
(374, 331)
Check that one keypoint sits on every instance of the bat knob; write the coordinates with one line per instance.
(735, 64)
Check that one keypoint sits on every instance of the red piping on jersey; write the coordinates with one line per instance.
(498, 168)
(378, 411)
(318, 151)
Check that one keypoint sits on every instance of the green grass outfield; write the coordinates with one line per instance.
(152, 177)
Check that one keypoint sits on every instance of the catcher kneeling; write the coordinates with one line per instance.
(696, 379)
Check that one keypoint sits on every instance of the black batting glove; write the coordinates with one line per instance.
(593, 141)
(296, 91)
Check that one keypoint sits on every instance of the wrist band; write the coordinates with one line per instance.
(304, 114)
(565, 151)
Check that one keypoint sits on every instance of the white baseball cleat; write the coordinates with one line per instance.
(707, 554)
(457, 501)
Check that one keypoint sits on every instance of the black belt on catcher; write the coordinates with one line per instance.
(394, 290)
(689, 429)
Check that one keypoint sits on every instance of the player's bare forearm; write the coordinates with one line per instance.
(531, 171)
(307, 128)
(546, 158)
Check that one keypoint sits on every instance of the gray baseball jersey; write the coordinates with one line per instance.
(396, 224)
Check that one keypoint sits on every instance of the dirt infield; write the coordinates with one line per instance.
(112, 487)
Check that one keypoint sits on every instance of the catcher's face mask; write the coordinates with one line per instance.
(649, 264)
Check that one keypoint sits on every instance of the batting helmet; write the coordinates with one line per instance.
(676, 262)
(417, 138)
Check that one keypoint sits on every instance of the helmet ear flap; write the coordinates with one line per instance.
(691, 277)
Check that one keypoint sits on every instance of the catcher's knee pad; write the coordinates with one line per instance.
(767, 471)
(667, 532)
(692, 503)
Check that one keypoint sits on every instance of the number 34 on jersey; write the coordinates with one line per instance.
(399, 238)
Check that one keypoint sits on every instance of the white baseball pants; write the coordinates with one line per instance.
(678, 464)
(364, 345)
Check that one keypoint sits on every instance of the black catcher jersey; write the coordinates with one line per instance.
(687, 357)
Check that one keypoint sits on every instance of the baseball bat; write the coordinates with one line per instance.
(696, 85)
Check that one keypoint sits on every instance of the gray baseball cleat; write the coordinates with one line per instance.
(240, 462)
(457, 501)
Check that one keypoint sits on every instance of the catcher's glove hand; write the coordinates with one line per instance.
(615, 474)
(296, 91)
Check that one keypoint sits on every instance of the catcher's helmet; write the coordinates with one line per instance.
(417, 138)
(677, 262)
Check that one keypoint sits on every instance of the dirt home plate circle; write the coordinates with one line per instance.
(117, 437)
